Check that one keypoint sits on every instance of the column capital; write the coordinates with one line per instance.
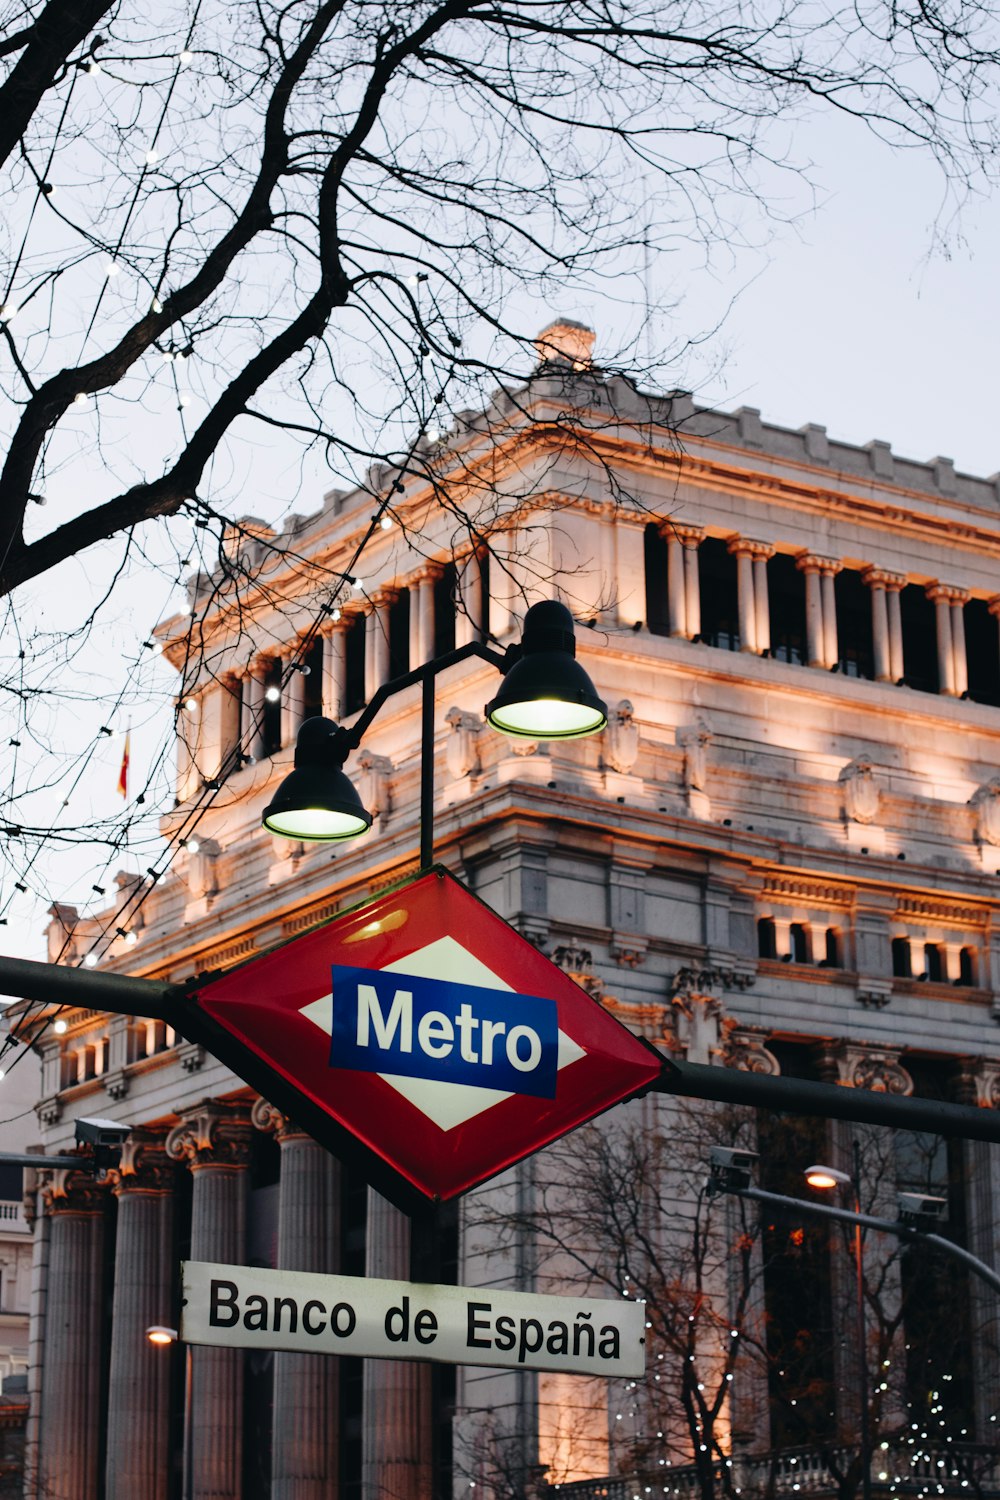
(268, 1119)
(211, 1135)
(428, 572)
(380, 597)
(813, 562)
(740, 546)
(857, 1066)
(688, 536)
(144, 1166)
(762, 550)
(71, 1192)
(882, 578)
(947, 593)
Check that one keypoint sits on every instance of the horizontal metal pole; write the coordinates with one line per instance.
(868, 1221)
(829, 1101)
(26, 1159)
(121, 994)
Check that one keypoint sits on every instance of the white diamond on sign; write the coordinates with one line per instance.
(446, 1104)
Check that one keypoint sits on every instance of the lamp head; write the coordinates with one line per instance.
(825, 1179)
(317, 802)
(546, 694)
(159, 1334)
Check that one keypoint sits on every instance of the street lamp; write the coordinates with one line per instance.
(161, 1336)
(545, 695)
(827, 1179)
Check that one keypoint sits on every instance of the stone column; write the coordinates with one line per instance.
(877, 579)
(690, 538)
(469, 616)
(762, 551)
(980, 1085)
(397, 1414)
(940, 596)
(676, 589)
(214, 1139)
(377, 644)
(831, 649)
(292, 706)
(71, 1375)
(304, 1443)
(334, 672)
(138, 1456)
(252, 727)
(993, 605)
(422, 617)
(895, 583)
(812, 566)
(743, 550)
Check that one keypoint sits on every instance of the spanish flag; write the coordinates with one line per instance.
(123, 773)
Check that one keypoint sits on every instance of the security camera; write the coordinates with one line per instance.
(731, 1168)
(921, 1208)
(105, 1138)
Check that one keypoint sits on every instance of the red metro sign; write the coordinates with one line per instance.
(425, 1030)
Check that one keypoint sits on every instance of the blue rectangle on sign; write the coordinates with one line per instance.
(384, 1022)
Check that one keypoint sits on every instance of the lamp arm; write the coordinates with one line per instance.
(348, 739)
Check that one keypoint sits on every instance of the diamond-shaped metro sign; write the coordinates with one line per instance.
(427, 1029)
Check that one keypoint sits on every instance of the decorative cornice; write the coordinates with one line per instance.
(922, 909)
(796, 891)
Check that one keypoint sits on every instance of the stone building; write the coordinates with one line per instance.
(782, 853)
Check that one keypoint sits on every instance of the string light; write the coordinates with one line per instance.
(79, 398)
(8, 312)
(90, 961)
(60, 1027)
(191, 845)
(273, 695)
(152, 155)
(386, 523)
(112, 269)
(184, 57)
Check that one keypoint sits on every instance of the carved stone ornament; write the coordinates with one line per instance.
(462, 747)
(710, 980)
(860, 791)
(620, 743)
(267, 1117)
(694, 740)
(202, 878)
(71, 1192)
(872, 1068)
(697, 1025)
(373, 782)
(523, 747)
(61, 934)
(743, 1047)
(986, 804)
(144, 1166)
(572, 958)
(212, 1134)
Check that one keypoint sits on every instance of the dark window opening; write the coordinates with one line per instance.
(933, 963)
(798, 1293)
(982, 647)
(720, 620)
(902, 967)
(832, 956)
(272, 706)
(786, 594)
(354, 664)
(11, 1182)
(399, 634)
(767, 942)
(444, 610)
(919, 639)
(966, 966)
(655, 560)
(798, 936)
(312, 687)
(856, 648)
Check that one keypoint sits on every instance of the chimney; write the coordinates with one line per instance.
(564, 342)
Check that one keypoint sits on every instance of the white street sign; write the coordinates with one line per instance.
(247, 1307)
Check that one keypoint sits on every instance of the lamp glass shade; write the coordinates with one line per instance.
(825, 1178)
(317, 804)
(547, 696)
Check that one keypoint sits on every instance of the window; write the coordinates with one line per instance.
(312, 691)
(799, 939)
(354, 664)
(657, 583)
(832, 956)
(982, 648)
(399, 634)
(901, 965)
(786, 593)
(719, 601)
(933, 962)
(444, 610)
(854, 625)
(966, 966)
(919, 639)
(767, 944)
(272, 709)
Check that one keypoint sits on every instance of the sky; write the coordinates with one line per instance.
(874, 314)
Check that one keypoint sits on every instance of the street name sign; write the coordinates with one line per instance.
(247, 1307)
(423, 1032)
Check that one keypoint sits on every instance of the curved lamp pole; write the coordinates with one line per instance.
(545, 694)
